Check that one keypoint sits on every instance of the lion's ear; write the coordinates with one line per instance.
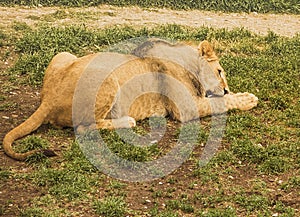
(207, 51)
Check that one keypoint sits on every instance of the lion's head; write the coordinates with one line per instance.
(206, 50)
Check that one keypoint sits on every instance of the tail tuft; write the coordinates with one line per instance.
(48, 153)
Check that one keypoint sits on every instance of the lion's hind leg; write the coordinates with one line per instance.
(123, 122)
(110, 124)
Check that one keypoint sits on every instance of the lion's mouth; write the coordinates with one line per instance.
(209, 93)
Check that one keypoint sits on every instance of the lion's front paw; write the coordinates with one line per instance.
(81, 129)
(131, 121)
(124, 122)
(246, 101)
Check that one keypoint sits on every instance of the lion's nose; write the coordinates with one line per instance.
(226, 91)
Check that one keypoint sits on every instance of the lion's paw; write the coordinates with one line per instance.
(124, 122)
(81, 129)
(246, 101)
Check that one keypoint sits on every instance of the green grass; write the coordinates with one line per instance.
(111, 206)
(227, 212)
(260, 150)
(261, 6)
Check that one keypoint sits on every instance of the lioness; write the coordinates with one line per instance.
(191, 59)
(111, 90)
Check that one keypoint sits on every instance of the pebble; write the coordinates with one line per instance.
(5, 117)
(259, 145)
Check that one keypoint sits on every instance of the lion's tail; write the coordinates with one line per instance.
(30, 125)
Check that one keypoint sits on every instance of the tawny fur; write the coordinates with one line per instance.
(199, 62)
(66, 71)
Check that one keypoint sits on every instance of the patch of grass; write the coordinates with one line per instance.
(156, 212)
(2, 98)
(64, 183)
(211, 199)
(215, 212)
(59, 14)
(111, 207)
(33, 143)
(121, 144)
(182, 205)
(117, 185)
(41, 212)
(191, 133)
(20, 26)
(4, 174)
(206, 174)
(275, 165)
(8, 105)
(288, 6)
(283, 209)
(37, 47)
(292, 184)
(38, 212)
(33, 66)
(3, 38)
(252, 203)
(270, 160)
(70, 14)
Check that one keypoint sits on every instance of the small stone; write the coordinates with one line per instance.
(259, 145)
(154, 141)
(5, 117)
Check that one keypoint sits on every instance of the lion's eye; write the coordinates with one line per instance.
(220, 72)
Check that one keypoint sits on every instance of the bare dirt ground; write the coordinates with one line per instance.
(285, 25)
